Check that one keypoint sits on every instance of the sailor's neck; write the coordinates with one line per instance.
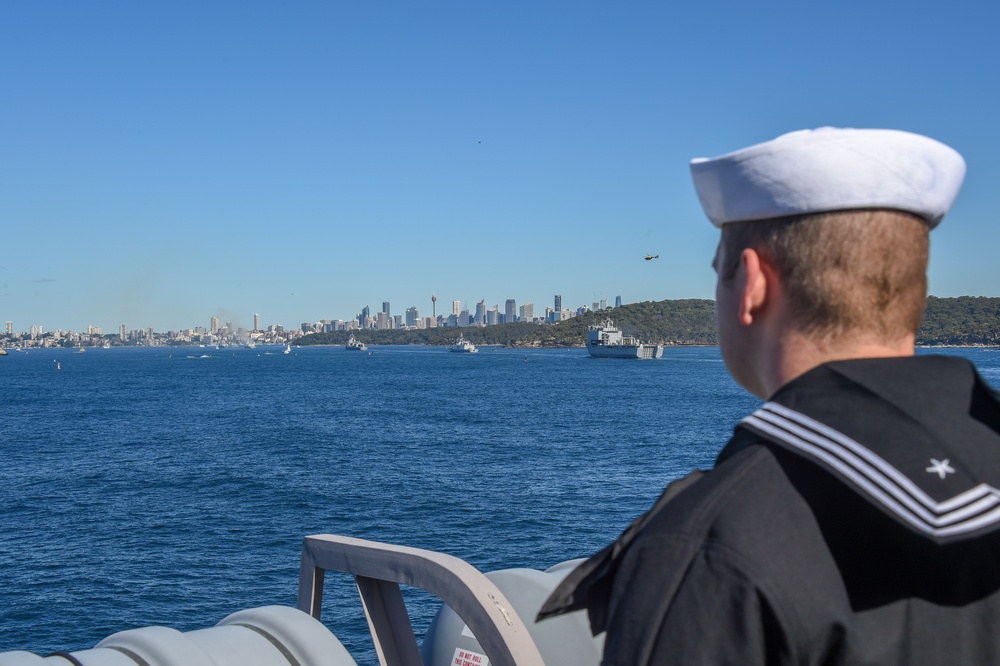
(797, 354)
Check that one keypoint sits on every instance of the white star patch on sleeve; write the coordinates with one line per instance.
(940, 467)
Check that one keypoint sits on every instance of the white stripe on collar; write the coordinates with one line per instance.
(966, 512)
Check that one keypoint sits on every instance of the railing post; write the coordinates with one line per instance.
(389, 622)
(311, 579)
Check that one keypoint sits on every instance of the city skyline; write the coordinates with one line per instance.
(166, 162)
(260, 323)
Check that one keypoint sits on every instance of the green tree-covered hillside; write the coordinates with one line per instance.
(966, 320)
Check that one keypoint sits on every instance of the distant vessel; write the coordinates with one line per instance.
(463, 345)
(355, 345)
(287, 349)
(3, 352)
(606, 341)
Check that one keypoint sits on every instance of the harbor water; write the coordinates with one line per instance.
(173, 486)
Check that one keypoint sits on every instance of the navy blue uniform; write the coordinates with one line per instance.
(854, 519)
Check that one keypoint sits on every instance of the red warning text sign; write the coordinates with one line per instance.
(468, 658)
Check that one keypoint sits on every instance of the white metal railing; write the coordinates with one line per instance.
(379, 569)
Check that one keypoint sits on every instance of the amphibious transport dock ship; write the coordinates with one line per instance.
(606, 341)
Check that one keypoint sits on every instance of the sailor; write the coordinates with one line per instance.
(855, 517)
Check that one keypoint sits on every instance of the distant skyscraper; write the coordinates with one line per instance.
(510, 311)
(363, 317)
(215, 325)
(412, 315)
(385, 308)
(618, 301)
(456, 307)
(382, 323)
(527, 312)
(123, 333)
(492, 316)
(481, 313)
(558, 304)
(256, 322)
(10, 328)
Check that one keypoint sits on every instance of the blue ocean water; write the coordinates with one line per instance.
(173, 486)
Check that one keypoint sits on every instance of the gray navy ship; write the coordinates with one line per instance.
(607, 341)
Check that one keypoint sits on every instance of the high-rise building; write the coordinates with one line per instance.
(510, 311)
(618, 301)
(256, 322)
(122, 333)
(527, 312)
(412, 315)
(382, 321)
(463, 318)
(214, 328)
(10, 328)
(481, 313)
(456, 307)
(558, 304)
(363, 317)
(493, 316)
(385, 308)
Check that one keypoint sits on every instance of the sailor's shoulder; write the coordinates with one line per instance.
(747, 494)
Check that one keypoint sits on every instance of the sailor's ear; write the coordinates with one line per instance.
(754, 289)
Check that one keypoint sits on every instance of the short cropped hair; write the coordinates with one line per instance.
(844, 272)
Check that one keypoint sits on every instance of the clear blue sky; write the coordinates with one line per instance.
(161, 163)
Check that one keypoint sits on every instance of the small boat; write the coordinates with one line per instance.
(3, 352)
(287, 349)
(355, 345)
(463, 346)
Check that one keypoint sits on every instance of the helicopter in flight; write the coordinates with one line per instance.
(650, 257)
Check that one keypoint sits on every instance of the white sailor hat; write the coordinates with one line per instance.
(827, 169)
